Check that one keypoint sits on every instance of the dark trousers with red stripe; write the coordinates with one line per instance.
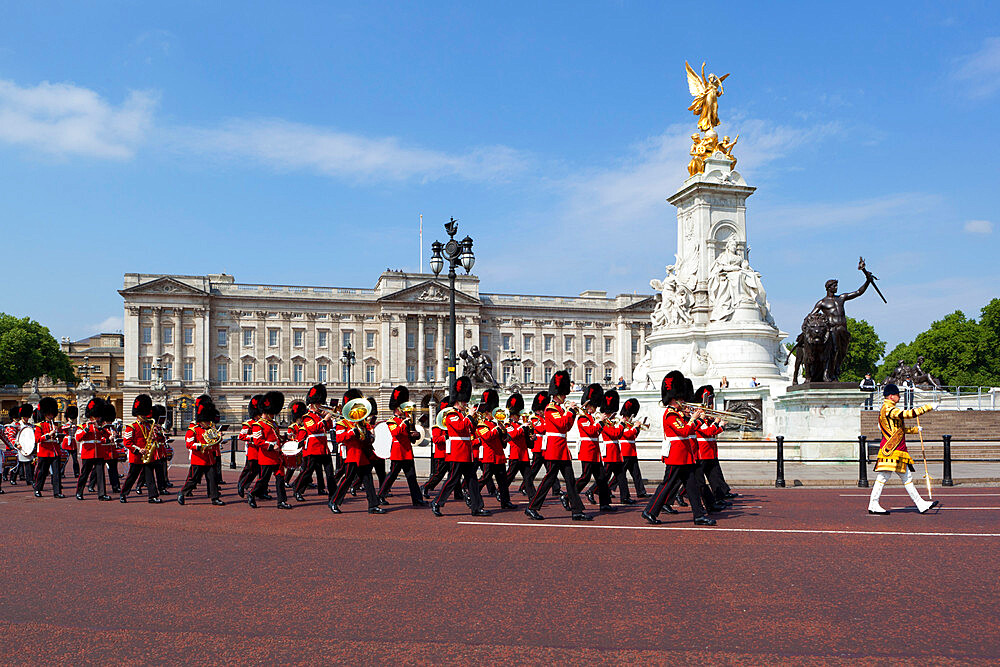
(457, 472)
(409, 470)
(320, 464)
(515, 467)
(355, 473)
(71, 454)
(195, 473)
(378, 469)
(86, 469)
(113, 477)
(498, 472)
(485, 481)
(260, 488)
(439, 470)
(632, 468)
(673, 477)
(595, 470)
(565, 468)
(614, 474)
(537, 463)
(44, 465)
(250, 472)
(715, 484)
(134, 470)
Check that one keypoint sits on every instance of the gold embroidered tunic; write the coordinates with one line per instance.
(892, 454)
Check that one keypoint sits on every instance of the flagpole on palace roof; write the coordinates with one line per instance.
(421, 243)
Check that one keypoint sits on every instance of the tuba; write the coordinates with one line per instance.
(356, 411)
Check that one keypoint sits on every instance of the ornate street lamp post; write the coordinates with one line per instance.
(456, 252)
(347, 358)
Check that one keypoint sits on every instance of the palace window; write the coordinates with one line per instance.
(429, 370)
(222, 372)
(321, 373)
(635, 345)
(222, 337)
(248, 372)
(344, 368)
(272, 372)
(484, 342)
(429, 340)
(547, 343)
(526, 343)
(168, 371)
(147, 335)
(168, 335)
(298, 337)
(369, 340)
(272, 338)
(411, 340)
(411, 373)
(370, 373)
(188, 371)
(248, 338)
(588, 375)
(588, 343)
(608, 343)
(508, 342)
(321, 338)
(527, 375)
(189, 335)
(568, 343)
(297, 372)
(345, 338)
(548, 374)
(507, 370)
(146, 371)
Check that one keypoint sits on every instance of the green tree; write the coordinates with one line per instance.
(863, 353)
(990, 317)
(899, 353)
(28, 350)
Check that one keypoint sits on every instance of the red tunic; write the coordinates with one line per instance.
(708, 448)
(246, 431)
(517, 446)
(194, 437)
(590, 432)
(458, 448)
(610, 449)
(538, 426)
(627, 441)
(558, 422)
(316, 428)
(678, 447)
(68, 439)
(438, 437)
(488, 433)
(136, 437)
(403, 438)
(46, 440)
(89, 436)
(352, 449)
(265, 437)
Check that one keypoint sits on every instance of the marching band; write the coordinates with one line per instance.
(344, 447)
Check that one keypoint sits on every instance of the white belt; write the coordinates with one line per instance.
(588, 440)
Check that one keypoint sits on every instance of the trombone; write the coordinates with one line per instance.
(734, 418)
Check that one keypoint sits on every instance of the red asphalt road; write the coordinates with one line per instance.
(102, 583)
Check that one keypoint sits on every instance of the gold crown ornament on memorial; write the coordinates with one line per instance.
(706, 92)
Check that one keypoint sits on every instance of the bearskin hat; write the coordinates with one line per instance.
(890, 390)
(515, 403)
(72, 412)
(159, 411)
(672, 387)
(298, 409)
(490, 401)
(94, 408)
(630, 408)
(316, 395)
(463, 389)
(372, 402)
(253, 407)
(540, 402)
(560, 384)
(48, 407)
(399, 396)
(272, 403)
(204, 398)
(25, 411)
(108, 413)
(351, 394)
(592, 394)
(142, 406)
(14, 413)
(705, 394)
(204, 412)
(445, 403)
(688, 390)
(609, 405)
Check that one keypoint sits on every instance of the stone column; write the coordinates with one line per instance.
(200, 371)
(623, 359)
(133, 343)
(439, 352)
(156, 335)
(385, 359)
(421, 373)
(642, 339)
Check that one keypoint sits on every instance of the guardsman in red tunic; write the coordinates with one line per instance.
(458, 451)
(316, 451)
(404, 434)
(538, 405)
(265, 437)
(714, 490)
(678, 452)
(354, 438)
(590, 448)
(559, 419)
(69, 440)
(89, 436)
(108, 449)
(492, 437)
(161, 458)
(202, 454)
(251, 469)
(519, 440)
(439, 467)
(47, 448)
(630, 455)
(611, 453)
(138, 440)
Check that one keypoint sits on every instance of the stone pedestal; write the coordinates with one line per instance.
(820, 413)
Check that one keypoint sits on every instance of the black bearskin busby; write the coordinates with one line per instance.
(399, 396)
(593, 394)
(272, 403)
(94, 408)
(159, 411)
(560, 384)
(705, 395)
(672, 387)
(204, 412)
(688, 390)
(109, 414)
(48, 407)
(298, 409)
(26, 411)
(515, 403)
(609, 405)
(204, 398)
(372, 402)
(351, 394)
(72, 412)
(316, 395)
(490, 401)
(253, 407)
(630, 408)
(541, 401)
(142, 406)
(463, 389)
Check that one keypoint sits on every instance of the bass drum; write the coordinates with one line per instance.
(26, 444)
(383, 441)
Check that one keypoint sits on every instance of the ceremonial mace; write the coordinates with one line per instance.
(923, 452)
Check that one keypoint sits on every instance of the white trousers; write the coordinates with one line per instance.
(882, 476)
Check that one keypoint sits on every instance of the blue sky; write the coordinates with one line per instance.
(300, 145)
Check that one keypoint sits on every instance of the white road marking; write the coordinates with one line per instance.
(716, 529)
(903, 495)
(948, 508)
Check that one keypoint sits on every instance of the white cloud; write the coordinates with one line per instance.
(980, 71)
(818, 214)
(978, 227)
(108, 325)
(64, 119)
(284, 145)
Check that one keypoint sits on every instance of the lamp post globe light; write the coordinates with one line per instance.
(347, 359)
(456, 252)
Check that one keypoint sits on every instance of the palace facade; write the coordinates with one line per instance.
(212, 334)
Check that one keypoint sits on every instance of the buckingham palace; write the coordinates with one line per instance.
(185, 335)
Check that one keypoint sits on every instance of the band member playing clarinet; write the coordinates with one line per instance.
(202, 454)
(47, 448)
(404, 434)
(138, 440)
(558, 421)
(89, 436)
(265, 437)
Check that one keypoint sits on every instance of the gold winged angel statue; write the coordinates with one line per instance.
(706, 94)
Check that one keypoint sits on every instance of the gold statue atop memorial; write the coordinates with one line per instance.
(706, 92)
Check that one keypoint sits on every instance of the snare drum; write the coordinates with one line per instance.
(169, 452)
(9, 457)
(121, 454)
